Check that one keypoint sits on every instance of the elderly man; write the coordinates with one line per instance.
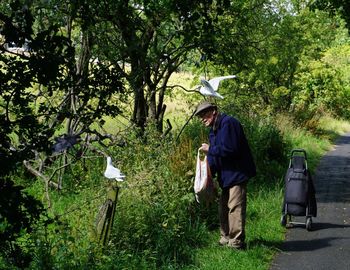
(230, 159)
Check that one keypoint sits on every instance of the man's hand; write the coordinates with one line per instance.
(204, 148)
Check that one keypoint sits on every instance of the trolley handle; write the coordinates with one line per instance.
(298, 151)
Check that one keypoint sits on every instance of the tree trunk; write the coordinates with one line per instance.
(152, 112)
(139, 115)
(82, 70)
(137, 83)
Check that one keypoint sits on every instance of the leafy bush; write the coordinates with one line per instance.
(156, 222)
(18, 214)
(324, 85)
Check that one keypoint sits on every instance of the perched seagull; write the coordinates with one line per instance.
(113, 172)
(209, 88)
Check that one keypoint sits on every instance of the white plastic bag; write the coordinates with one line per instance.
(203, 182)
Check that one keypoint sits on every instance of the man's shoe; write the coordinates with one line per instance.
(237, 246)
(223, 241)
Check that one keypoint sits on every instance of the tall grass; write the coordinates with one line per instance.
(158, 223)
(315, 143)
(264, 235)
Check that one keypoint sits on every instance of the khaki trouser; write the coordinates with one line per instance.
(232, 211)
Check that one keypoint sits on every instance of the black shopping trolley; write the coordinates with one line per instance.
(299, 196)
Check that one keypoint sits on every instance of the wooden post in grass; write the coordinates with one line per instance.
(105, 217)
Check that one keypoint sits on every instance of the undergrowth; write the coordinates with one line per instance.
(158, 224)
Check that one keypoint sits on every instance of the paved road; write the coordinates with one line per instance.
(327, 246)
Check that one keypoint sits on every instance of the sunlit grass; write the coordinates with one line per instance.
(335, 126)
(264, 234)
(315, 146)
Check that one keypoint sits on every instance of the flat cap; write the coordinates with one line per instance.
(203, 106)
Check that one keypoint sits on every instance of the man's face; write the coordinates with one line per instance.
(207, 117)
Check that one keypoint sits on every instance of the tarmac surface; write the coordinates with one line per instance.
(327, 245)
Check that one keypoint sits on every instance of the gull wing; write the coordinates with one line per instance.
(214, 82)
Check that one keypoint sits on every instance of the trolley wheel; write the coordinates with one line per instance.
(308, 224)
(284, 220)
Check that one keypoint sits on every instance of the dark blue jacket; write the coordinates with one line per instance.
(229, 155)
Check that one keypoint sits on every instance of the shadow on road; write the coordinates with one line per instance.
(324, 226)
(308, 245)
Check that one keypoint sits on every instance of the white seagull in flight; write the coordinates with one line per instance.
(209, 88)
(113, 172)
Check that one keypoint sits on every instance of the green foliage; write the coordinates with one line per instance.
(18, 215)
(47, 65)
(324, 84)
(157, 201)
(269, 149)
(58, 244)
(277, 69)
(38, 85)
(289, 59)
(297, 135)
(152, 39)
(334, 7)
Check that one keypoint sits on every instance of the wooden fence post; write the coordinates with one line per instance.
(105, 217)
